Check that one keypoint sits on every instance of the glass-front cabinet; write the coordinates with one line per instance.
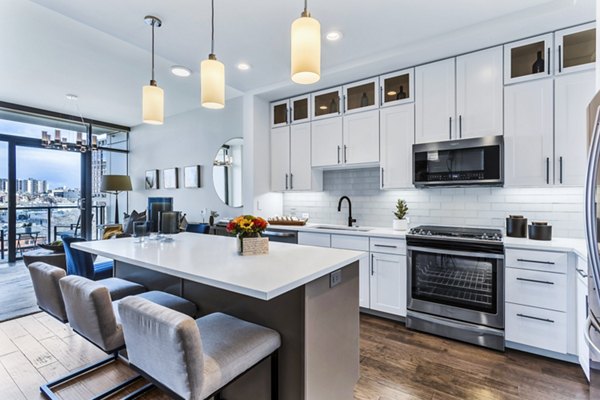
(528, 59)
(361, 96)
(326, 103)
(279, 113)
(575, 48)
(300, 109)
(397, 88)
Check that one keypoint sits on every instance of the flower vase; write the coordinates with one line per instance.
(251, 246)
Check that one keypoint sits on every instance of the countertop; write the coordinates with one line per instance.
(577, 246)
(213, 260)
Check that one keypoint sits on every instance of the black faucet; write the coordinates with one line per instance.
(350, 219)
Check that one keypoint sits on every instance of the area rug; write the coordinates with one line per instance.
(17, 298)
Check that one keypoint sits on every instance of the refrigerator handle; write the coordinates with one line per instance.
(589, 324)
(591, 224)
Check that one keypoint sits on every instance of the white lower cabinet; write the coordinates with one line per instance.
(583, 352)
(314, 239)
(388, 283)
(359, 243)
(536, 327)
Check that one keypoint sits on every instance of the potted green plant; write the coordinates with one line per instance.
(400, 223)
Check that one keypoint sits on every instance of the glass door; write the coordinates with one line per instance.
(528, 59)
(48, 196)
(279, 113)
(397, 88)
(4, 201)
(575, 48)
(361, 96)
(326, 103)
(300, 109)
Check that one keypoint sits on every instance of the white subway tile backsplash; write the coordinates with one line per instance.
(562, 207)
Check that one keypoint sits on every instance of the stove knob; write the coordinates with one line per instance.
(485, 236)
(429, 233)
(496, 237)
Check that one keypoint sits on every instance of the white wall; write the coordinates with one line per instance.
(561, 207)
(191, 138)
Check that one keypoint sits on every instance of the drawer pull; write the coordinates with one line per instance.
(536, 318)
(581, 272)
(387, 246)
(535, 261)
(535, 281)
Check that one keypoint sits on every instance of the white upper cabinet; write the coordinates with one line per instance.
(361, 138)
(435, 101)
(326, 142)
(572, 93)
(300, 168)
(528, 133)
(326, 103)
(280, 113)
(575, 48)
(479, 93)
(280, 159)
(397, 133)
(300, 109)
(361, 96)
(528, 59)
(397, 88)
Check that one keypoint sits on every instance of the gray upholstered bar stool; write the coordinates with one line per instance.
(194, 359)
(45, 279)
(91, 313)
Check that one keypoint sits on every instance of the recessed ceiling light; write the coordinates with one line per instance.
(243, 66)
(71, 96)
(181, 71)
(323, 107)
(333, 36)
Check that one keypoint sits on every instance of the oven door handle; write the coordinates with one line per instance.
(456, 253)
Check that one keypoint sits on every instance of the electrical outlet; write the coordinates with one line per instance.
(305, 216)
(335, 278)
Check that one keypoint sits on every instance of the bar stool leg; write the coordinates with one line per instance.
(275, 375)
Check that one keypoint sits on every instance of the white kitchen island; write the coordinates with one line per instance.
(289, 290)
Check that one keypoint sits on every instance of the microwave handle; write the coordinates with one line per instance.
(450, 128)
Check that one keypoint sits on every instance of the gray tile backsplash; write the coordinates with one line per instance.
(562, 207)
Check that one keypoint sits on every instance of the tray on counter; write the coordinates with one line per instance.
(300, 222)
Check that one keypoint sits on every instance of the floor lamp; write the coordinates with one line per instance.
(116, 184)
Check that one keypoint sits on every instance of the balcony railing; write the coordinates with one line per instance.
(45, 224)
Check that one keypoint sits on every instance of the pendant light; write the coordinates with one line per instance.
(153, 99)
(306, 49)
(212, 74)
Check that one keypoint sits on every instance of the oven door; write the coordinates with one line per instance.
(461, 285)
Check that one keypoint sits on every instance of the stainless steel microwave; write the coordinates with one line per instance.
(462, 162)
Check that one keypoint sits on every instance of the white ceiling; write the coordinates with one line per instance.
(99, 49)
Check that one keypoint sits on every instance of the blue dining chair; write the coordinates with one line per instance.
(82, 263)
(197, 228)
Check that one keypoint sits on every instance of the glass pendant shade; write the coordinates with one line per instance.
(212, 83)
(306, 50)
(153, 100)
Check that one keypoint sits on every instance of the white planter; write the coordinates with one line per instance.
(400, 224)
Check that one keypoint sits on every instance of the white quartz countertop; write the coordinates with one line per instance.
(214, 261)
(365, 230)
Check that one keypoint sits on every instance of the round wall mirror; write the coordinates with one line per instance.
(227, 172)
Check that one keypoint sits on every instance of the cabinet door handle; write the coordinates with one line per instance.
(382, 177)
(559, 58)
(345, 154)
(560, 163)
(535, 261)
(372, 264)
(460, 126)
(450, 128)
(548, 60)
(387, 246)
(535, 281)
(547, 170)
(286, 181)
(291, 181)
(342, 108)
(338, 154)
(581, 272)
(381, 99)
(536, 318)
(289, 115)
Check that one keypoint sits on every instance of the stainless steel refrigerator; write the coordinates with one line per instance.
(592, 225)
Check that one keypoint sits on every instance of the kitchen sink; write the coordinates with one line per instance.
(342, 228)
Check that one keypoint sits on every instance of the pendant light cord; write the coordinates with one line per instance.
(306, 6)
(212, 33)
(153, 23)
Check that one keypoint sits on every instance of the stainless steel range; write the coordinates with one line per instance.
(456, 283)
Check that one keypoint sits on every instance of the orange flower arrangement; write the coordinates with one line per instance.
(247, 226)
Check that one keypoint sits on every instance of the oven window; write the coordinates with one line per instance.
(460, 281)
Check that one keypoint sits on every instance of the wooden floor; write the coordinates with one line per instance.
(16, 296)
(395, 364)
